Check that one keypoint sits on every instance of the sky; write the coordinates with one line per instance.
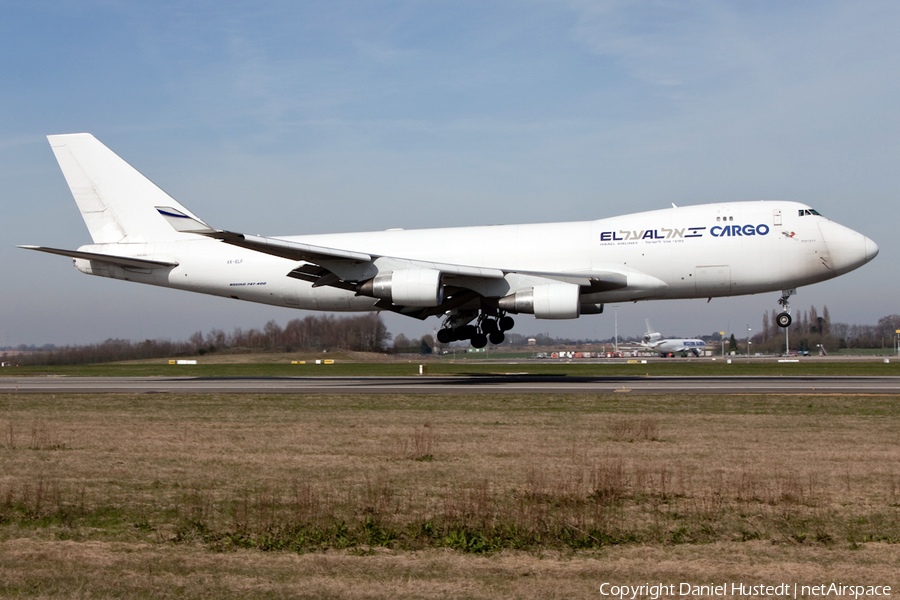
(300, 117)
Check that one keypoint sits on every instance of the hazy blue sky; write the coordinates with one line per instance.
(305, 117)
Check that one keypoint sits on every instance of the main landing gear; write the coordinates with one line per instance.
(784, 318)
(457, 327)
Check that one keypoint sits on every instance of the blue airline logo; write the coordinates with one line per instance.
(665, 233)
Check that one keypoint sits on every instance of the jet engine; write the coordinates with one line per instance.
(546, 301)
(407, 287)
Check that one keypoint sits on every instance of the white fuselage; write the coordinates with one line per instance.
(473, 276)
(701, 251)
(675, 346)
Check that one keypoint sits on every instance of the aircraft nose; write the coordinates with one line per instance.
(848, 249)
(871, 249)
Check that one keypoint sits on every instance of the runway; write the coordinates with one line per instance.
(492, 384)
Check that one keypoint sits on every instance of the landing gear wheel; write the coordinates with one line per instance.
(444, 336)
(784, 319)
(479, 340)
(496, 337)
(506, 323)
(489, 326)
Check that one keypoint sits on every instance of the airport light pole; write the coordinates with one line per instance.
(748, 342)
(616, 341)
(722, 335)
(898, 341)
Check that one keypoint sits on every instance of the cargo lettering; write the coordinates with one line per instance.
(738, 230)
(666, 233)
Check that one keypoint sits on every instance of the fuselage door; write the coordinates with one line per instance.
(777, 216)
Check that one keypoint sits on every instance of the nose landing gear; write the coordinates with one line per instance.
(784, 318)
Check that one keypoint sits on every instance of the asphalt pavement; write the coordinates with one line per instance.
(490, 384)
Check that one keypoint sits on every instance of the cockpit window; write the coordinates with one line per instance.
(808, 211)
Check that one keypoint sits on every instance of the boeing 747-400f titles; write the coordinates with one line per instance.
(654, 341)
(472, 277)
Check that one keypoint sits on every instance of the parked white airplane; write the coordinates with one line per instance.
(474, 276)
(654, 341)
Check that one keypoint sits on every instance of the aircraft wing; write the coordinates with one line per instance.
(349, 269)
(304, 252)
(287, 249)
(122, 261)
(317, 255)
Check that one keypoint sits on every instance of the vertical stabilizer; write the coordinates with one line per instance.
(651, 336)
(118, 204)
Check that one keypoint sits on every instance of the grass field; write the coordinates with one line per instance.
(537, 496)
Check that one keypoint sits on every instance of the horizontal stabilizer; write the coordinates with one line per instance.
(122, 261)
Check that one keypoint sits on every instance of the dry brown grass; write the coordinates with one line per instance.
(65, 569)
(155, 487)
(634, 429)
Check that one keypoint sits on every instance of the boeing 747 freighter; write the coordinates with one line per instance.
(474, 278)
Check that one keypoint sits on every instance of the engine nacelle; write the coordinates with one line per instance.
(407, 287)
(649, 338)
(591, 309)
(546, 301)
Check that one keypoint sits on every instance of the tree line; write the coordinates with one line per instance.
(368, 333)
(363, 333)
(810, 329)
